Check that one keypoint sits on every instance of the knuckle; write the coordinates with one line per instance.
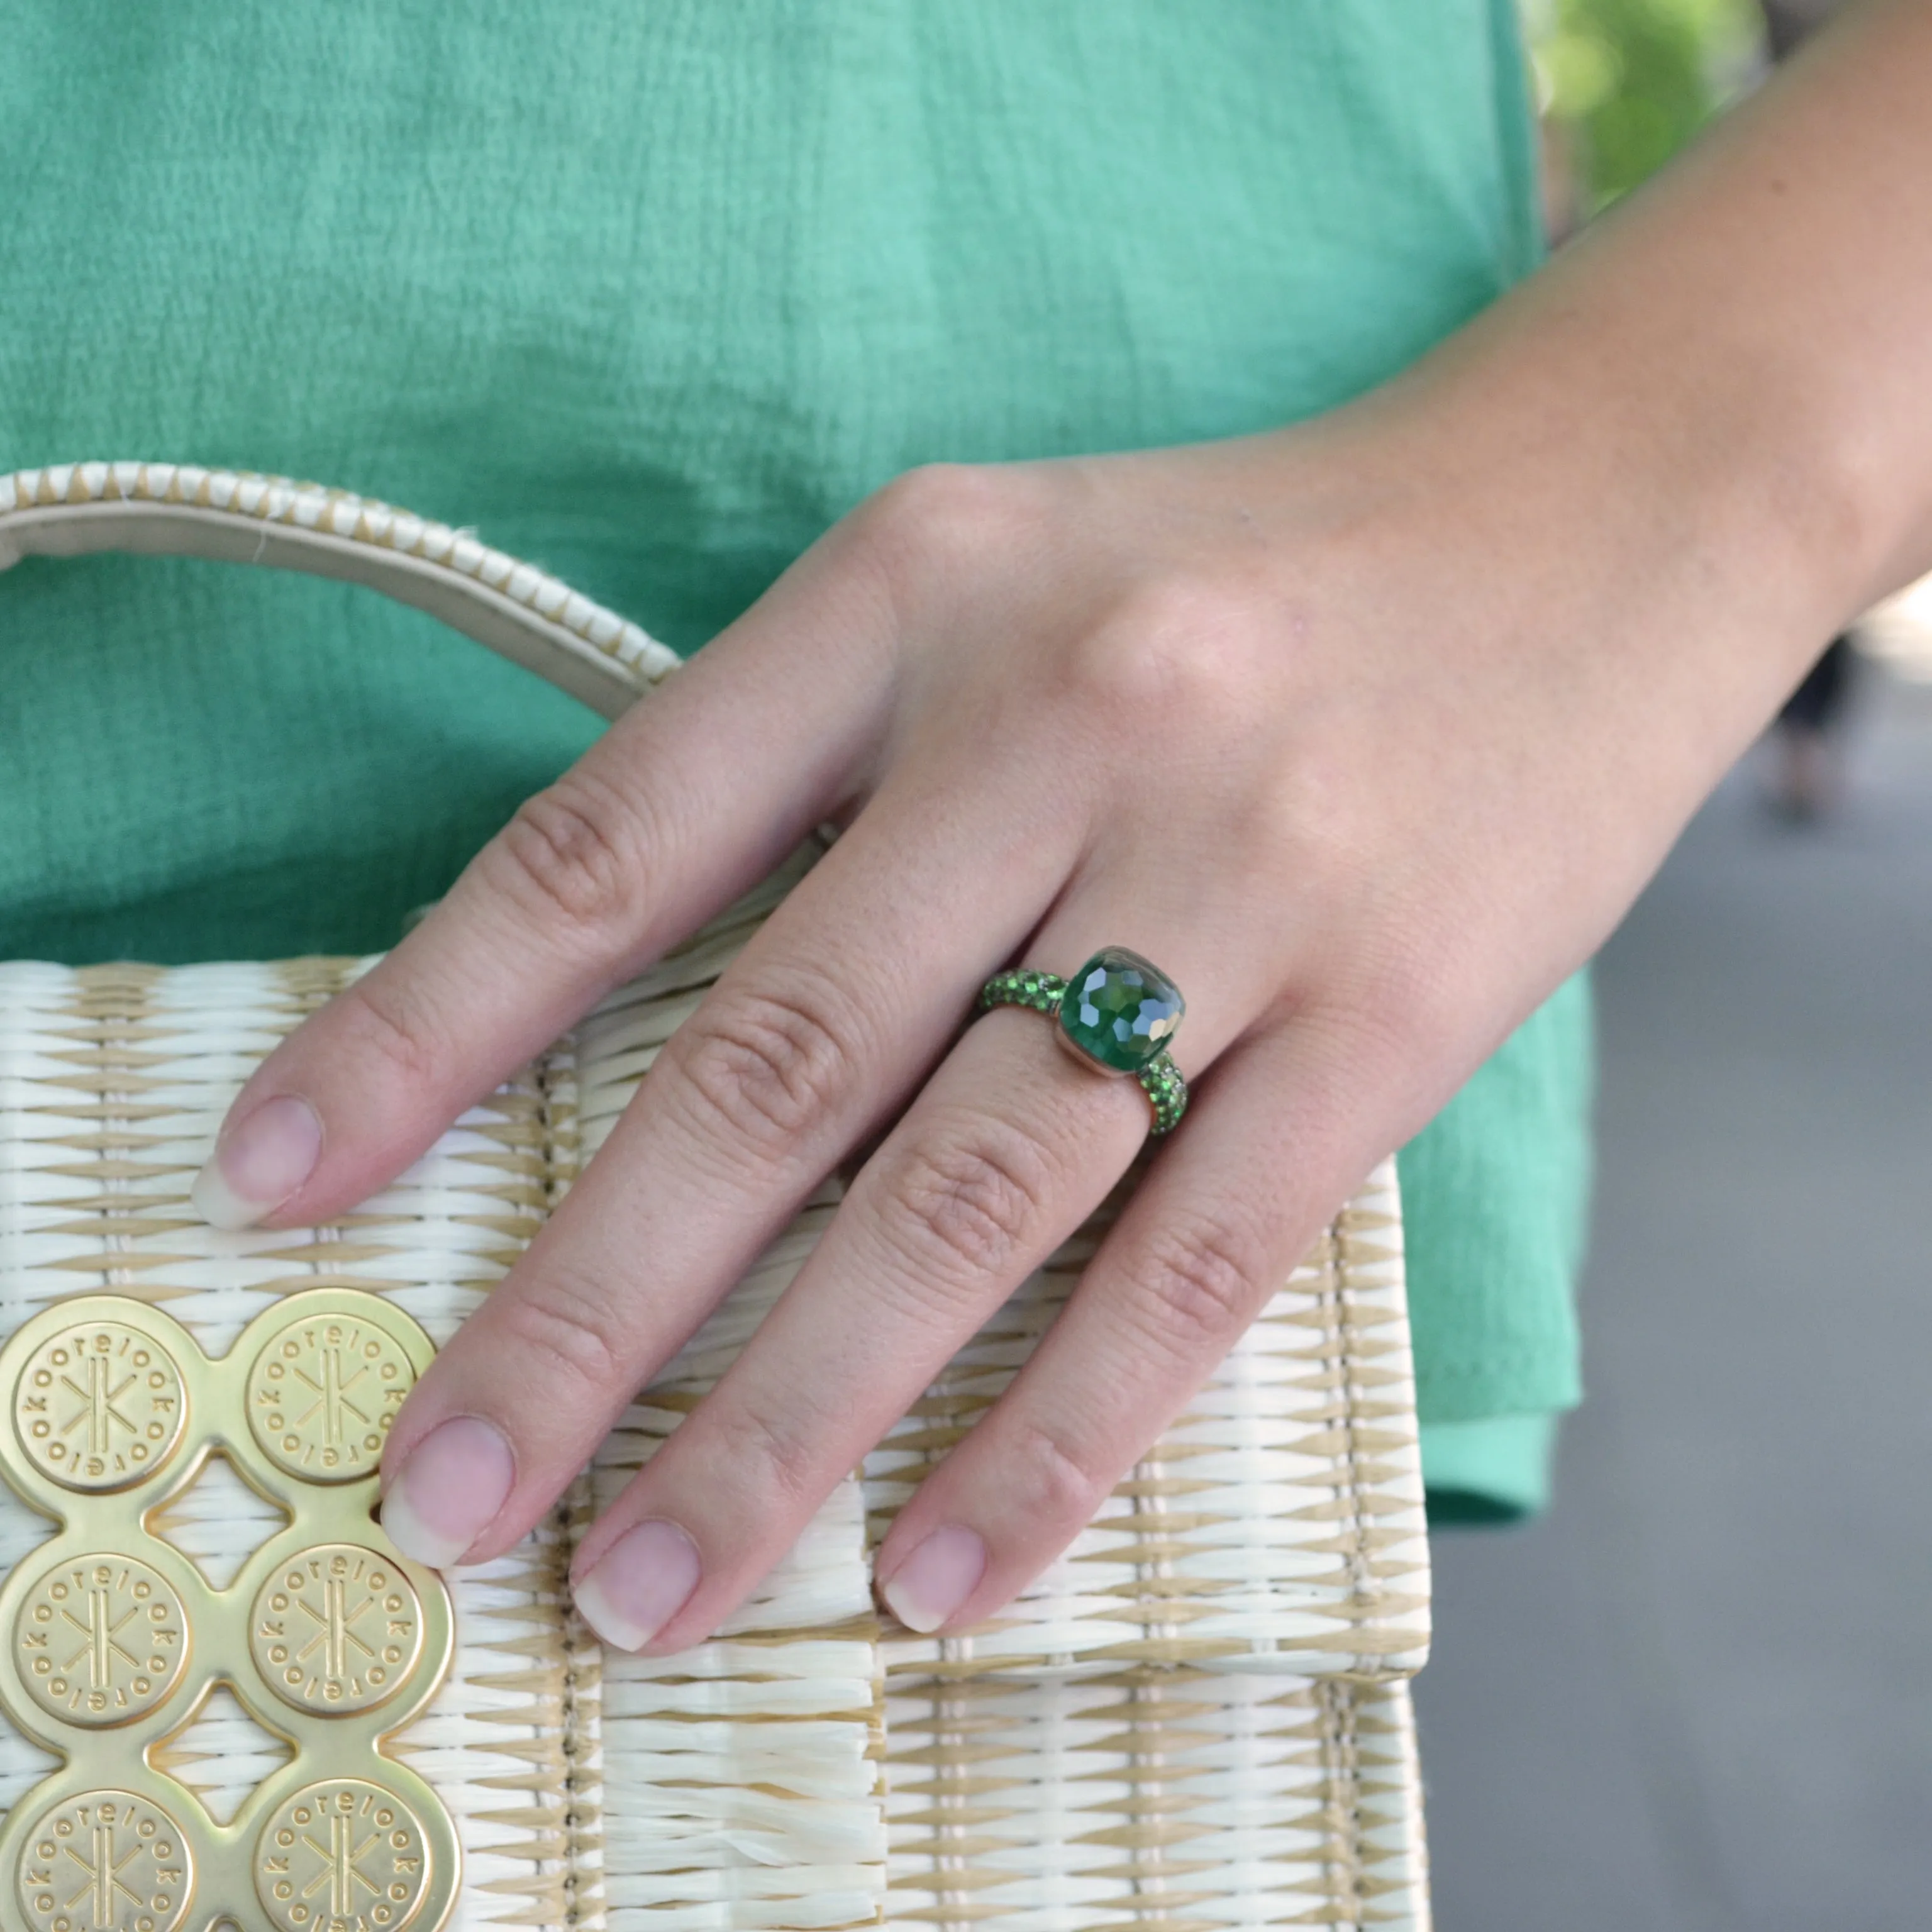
(1393, 1003)
(767, 1062)
(939, 498)
(1196, 1288)
(568, 1334)
(938, 513)
(1175, 652)
(1044, 1480)
(766, 1454)
(966, 1201)
(1400, 1018)
(386, 1021)
(1176, 608)
(567, 852)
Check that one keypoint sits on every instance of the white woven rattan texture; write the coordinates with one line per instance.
(1144, 1737)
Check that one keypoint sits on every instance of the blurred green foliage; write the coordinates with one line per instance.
(1632, 80)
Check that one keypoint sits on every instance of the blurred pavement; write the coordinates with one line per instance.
(1698, 1697)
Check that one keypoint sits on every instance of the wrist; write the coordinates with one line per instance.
(1743, 340)
(1691, 521)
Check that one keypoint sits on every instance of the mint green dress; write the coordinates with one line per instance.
(651, 295)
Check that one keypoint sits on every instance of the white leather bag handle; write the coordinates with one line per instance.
(179, 510)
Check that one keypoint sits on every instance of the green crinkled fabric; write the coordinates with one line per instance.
(651, 295)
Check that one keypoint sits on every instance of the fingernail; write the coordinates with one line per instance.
(448, 1490)
(937, 1578)
(257, 1164)
(639, 1584)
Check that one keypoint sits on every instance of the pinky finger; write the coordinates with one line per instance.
(1278, 1135)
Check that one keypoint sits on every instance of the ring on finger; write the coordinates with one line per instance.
(1117, 1015)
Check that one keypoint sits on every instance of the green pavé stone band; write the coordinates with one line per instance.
(1117, 1012)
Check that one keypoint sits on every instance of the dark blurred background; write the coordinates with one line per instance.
(1696, 1697)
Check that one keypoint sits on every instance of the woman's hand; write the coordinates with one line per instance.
(1365, 733)
(1247, 709)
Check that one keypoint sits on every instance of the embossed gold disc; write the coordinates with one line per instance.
(100, 1639)
(344, 1855)
(336, 1628)
(98, 1406)
(107, 1861)
(321, 1392)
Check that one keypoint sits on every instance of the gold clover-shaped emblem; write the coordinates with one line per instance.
(327, 1636)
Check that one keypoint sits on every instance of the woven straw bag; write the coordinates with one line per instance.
(1198, 1716)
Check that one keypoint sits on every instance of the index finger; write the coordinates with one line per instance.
(682, 805)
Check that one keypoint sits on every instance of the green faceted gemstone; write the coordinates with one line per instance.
(1120, 1010)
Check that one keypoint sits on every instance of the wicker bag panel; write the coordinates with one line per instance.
(1151, 1735)
(112, 1081)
